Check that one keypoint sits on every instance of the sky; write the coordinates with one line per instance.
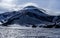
(10, 5)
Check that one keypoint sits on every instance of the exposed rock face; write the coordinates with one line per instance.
(30, 15)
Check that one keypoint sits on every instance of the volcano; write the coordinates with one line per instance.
(29, 15)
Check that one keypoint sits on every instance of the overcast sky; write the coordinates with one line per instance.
(8, 5)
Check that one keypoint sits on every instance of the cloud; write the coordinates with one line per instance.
(9, 5)
(12, 7)
(4, 5)
(52, 12)
(30, 4)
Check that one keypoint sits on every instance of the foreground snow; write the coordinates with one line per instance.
(28, 32)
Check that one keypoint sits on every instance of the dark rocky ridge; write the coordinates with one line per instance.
(30, 15)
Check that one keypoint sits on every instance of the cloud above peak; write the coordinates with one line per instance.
(31, 4)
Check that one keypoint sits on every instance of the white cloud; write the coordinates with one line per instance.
(6, 4)
(30, 4)
(12, 7)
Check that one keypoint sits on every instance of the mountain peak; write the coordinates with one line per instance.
(31, 7)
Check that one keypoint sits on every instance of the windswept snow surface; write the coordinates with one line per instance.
(20, 32)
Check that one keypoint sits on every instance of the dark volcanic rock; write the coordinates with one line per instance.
(30, 15)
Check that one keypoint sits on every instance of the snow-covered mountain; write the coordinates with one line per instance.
(29, 15)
